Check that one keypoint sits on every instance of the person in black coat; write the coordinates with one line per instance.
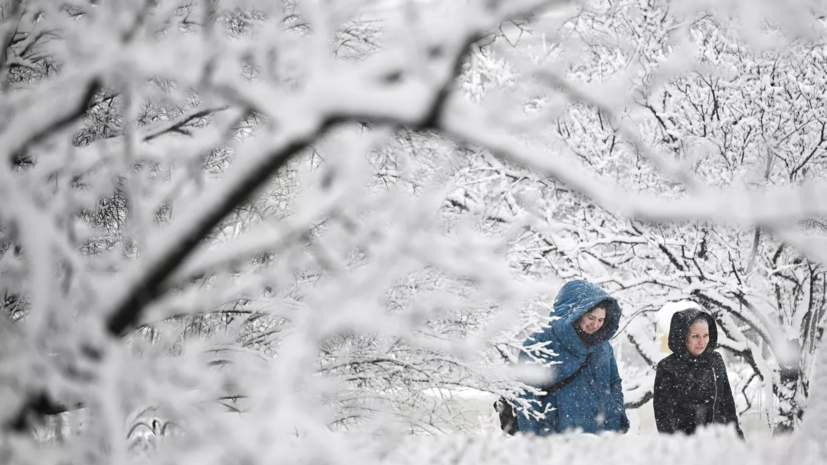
(691, 385)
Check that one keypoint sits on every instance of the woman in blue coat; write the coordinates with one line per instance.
(575, 350)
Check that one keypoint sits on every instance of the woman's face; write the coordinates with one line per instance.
(592, 321)
(697, 338)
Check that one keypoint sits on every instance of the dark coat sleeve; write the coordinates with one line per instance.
(665, 400)
(727, 409)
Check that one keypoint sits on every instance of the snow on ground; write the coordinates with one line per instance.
(480, 410)
(707, 448)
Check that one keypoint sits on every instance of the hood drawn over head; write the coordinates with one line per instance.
(578, 297)
(679, 328)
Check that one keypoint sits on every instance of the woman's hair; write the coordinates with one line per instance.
(604, 304)
(700, 317)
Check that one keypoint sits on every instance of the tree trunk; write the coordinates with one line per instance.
(813, 432)
(789, 410)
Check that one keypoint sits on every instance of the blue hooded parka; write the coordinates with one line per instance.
(593, 401)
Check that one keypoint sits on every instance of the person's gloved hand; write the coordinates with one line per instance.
(624, 424)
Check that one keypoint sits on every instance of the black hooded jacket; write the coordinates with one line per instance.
(692, 391)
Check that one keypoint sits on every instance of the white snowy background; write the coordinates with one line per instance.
(307, 231)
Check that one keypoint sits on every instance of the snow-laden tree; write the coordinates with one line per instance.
(193, 213)
(262, 206)
(745, 116)
(707, 108)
